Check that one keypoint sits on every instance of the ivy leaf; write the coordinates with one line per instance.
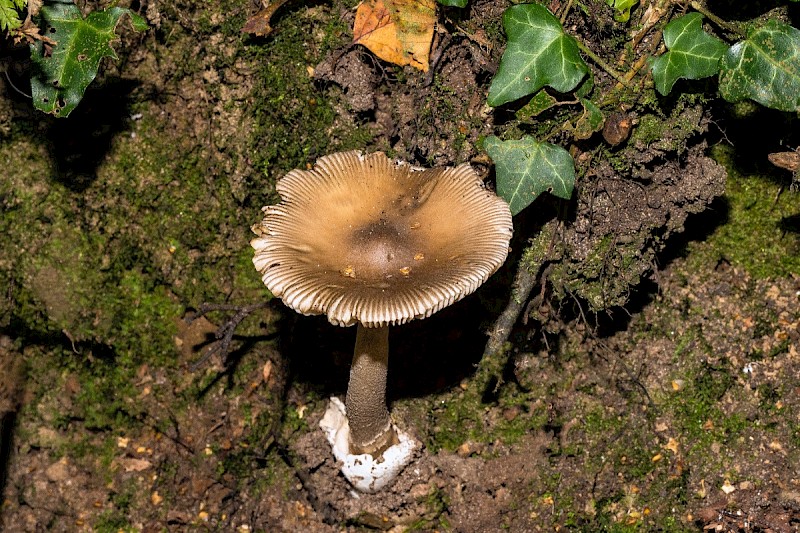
(622, 9)
(65, 70)
(586, 87)
(453, 3)
(693, 54)
(538, 53)
(765, 67)
(541, 102)
(526, 168)
(590, 121)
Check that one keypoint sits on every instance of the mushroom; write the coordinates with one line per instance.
(375, 243)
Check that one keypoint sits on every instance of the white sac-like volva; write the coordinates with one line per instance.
(364, 472)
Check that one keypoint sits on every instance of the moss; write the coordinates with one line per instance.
(604, 279)
(454, 421)
(752, 236)
(434, 519)
(107, 277)
(666, 133)
(294, 118)
(461, 417)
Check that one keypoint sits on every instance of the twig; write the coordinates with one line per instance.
(566, 11)
(224, 334)
(438, 53)
(640, 63)
(496, 353)
(725, 25)
(601, 63)
(8, 78)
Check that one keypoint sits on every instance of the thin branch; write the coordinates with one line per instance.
(225, 332)
(566, 11)
(725, 25)
(601, 63)
(497, 351)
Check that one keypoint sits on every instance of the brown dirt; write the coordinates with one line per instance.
(174, 459)
(237, 448)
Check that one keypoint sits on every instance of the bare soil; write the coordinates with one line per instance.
(650, 385)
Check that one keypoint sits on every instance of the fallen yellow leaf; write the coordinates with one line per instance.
(397, 31)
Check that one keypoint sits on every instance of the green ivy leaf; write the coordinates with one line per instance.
(526, 168)
(765, 67)
(453, 3)
(65, 70)
(693, 54)
(9, 17)
(538, 53)
(622, 9)
(586, 87)
(541, 102)
(590, 121)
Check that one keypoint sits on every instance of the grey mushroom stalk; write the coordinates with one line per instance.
(370, 426)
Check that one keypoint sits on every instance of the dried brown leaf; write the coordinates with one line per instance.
(397, 31)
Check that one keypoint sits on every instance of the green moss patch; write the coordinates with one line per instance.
(754, 235)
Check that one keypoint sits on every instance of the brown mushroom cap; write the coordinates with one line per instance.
(363, 239)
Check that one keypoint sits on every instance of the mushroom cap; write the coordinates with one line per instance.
(366, 240)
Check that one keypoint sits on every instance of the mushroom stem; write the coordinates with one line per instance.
(371, 429)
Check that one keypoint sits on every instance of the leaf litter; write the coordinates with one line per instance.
(397, 31)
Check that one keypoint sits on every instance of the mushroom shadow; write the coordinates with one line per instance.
(425, 356)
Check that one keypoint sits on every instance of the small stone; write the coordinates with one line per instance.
(156, 498)
(468, 448)
(58, 472)
(775, 446)
(502, 494)
(48, 437)
(790, 498)
(130, 464)
(419, 491)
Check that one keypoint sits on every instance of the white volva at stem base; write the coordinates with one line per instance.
(363, 471)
